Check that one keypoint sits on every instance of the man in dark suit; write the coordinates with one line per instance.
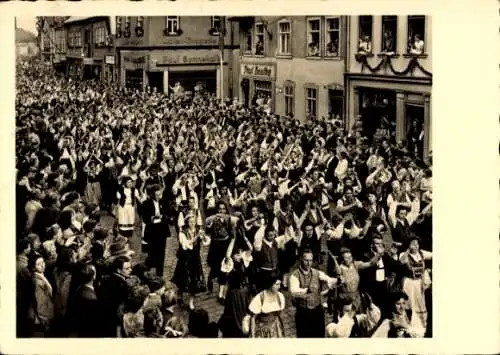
(112, 294)
(154, 215)
(84, 308)
(381, 279)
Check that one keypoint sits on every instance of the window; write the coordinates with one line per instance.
(311, 102)
(335, 103)
(139, 28)
(62, 43)
(172, 24)
(75, 39)
(259, 39)
(216, 25)
(285, 32)
(389, 34)
(118, 26)
(365, 34)
(126, 32)
(416, 35)
(100, 37)
(332, 37)
(247, 41)
(313, 37)
(289, 99)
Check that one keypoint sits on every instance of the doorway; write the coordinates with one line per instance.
(415, 131)
(155, 79)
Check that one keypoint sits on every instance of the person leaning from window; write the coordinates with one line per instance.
(416, 46)
(365, 44)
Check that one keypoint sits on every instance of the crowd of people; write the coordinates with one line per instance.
(302, 214)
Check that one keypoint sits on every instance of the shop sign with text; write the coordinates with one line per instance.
(258, 70)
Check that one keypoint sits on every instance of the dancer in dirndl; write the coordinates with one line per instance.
(127, 197)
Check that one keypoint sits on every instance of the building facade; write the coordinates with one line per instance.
(160, 51)
(26, 44)
(52, 36)
(296, 63)
(90, 52)
(388, 78)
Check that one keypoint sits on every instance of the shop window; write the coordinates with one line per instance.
(133, 79)
(311, 102)
(215, 26)
(365, 34)
(389, 34)
(263, 92)
(285, 38)
(289, 94)
(100, 37)
(378, 113)
(313, 37)
(259, 39)
(332, 37)
(416, 35)
(172, 26)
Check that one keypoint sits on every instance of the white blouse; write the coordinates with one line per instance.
(267, 304)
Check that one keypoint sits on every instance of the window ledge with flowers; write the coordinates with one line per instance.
(177, 32)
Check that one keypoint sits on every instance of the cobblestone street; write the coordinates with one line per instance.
(206, 300)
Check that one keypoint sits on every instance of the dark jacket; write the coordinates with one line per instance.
(85, 313)
(112, 294)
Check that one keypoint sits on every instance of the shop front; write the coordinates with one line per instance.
(74, 67)
(92, 68)
(193, 70)
(258, 83)
(109, 70)
(133, 69)
(396, 110)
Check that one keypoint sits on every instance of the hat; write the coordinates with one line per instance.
(120, 249)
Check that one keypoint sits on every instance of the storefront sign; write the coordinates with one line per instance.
(88, 61)
(188, 57)
(260, 70)
(191, 41)
(110, 59)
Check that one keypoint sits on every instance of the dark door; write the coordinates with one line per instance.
(415, 133)
(156, 80)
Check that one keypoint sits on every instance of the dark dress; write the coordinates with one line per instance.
(188, 274)
(221, 231)
(237, 301)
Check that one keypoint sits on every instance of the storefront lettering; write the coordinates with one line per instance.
(188, 59)
(191, 41)
(257, 70)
